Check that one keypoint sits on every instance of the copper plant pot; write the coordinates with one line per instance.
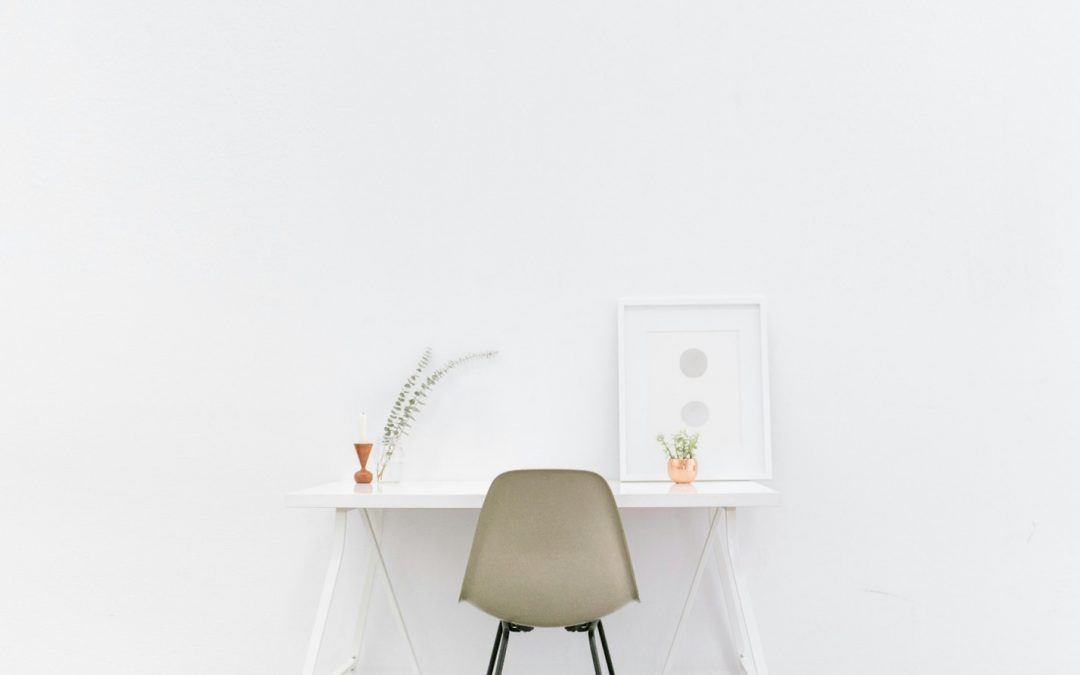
(682, 470)
(363, 451)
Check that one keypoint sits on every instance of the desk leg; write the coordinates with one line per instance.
(714, 518)
(365, 600)
(741, 611)
(330, 582)
(390, 587)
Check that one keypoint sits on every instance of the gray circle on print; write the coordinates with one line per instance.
(695, 413)
(693, 363)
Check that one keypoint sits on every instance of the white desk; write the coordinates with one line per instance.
(721, 498)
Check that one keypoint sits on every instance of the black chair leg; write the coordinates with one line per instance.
(502, 648)
(502, 639)
(495, 649)
(603, 643)
(592, 646)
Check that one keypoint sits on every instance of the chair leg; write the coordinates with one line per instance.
(495, 648)
(592, 646)
(603, 643)
(502, 648)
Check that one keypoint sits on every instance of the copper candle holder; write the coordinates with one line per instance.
(363, 451)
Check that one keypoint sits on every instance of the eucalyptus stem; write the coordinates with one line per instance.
(412, 398)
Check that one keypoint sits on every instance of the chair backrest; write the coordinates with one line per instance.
(549, 550)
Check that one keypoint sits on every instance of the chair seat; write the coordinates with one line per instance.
(549, 550)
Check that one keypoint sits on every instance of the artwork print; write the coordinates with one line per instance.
(693, 384)
(700, 365)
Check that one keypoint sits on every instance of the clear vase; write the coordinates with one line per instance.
(391, 463)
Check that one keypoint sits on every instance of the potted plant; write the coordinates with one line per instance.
(680, 451)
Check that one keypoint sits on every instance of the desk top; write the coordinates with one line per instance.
(470, 495)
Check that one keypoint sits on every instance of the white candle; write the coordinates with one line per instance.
(363, 428)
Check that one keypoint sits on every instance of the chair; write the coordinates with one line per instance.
(549, 551)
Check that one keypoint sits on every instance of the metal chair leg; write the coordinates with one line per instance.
(495, 648)
(502, 639)
(592, 646)
(502, 648)
(603, 643)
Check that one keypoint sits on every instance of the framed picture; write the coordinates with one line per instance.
(698, 364)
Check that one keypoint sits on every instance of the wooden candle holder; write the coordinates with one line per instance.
(363, 451)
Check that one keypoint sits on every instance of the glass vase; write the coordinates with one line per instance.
(391, 463)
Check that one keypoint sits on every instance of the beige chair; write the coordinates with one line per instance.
(549, 551)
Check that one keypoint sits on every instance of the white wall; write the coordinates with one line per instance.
(226, 227)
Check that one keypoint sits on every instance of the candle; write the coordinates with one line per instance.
(363, 428)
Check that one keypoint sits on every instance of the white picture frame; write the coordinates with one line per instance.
(699, 363)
